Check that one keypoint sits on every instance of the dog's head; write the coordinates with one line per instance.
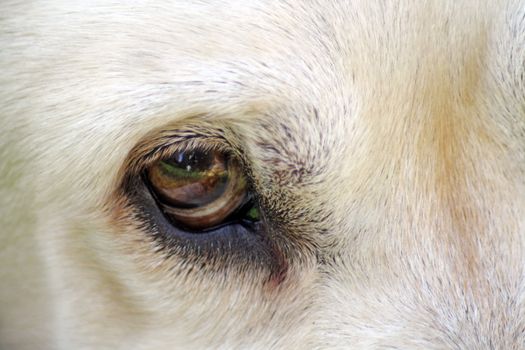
(262, 174)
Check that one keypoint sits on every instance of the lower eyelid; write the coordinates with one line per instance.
(231, 242)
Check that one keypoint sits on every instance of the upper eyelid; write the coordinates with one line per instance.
(166, 151)
(166, 143)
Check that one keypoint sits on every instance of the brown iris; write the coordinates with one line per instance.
(198, 189)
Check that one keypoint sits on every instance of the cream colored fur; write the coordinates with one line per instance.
(407, 119)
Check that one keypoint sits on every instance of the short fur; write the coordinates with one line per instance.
(386, 137)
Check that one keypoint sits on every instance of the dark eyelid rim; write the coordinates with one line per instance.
(219, 242)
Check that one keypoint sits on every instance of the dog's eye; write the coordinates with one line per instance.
(201, 189)
(196, 199)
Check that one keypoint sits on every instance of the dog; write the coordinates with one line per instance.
(262, 174)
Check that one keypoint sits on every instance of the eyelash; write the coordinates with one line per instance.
(194, 142)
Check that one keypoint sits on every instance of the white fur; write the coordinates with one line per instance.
(420, 144)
